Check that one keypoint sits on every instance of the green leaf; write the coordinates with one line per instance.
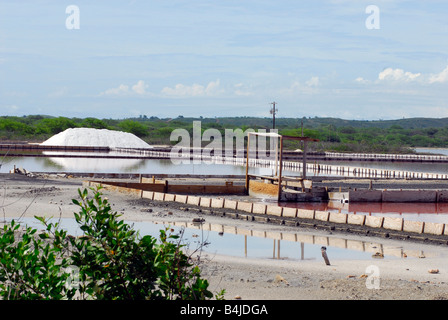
(44, 235)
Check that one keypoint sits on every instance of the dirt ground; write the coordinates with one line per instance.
(403, 278)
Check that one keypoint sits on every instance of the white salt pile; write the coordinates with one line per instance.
(88, 137)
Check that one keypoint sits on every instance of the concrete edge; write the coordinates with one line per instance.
(389, 223)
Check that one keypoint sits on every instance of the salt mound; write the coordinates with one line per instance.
(88, 137)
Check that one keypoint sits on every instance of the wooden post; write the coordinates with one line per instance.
(273, 250)
(324, 255)
(278, 249)
(280, 169)
(305, 145)
(302, 251)
(247, 164)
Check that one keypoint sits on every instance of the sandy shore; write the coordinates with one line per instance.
(397, 278)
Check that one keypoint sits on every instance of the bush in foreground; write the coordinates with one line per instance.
(110, 261)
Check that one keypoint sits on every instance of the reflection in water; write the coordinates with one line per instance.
(114, 165)
(428, 212)
(60, 163)
(437, 151)
(441, 168)
(421, 212)
(238, 241)
(241, 242)
(368, 207)
(97, 164)
(387, 207)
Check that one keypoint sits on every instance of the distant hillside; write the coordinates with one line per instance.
(407, 123)
(334, 134)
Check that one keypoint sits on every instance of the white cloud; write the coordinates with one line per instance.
(195, 90)
(397, 75)
(440, 77)
(213, 88)
(313, 82)
(183, 90)
(241, 90)
(123, 89)
(361, 80)
(140, 87)
(309, 87)
(58, 93)
(400, 76)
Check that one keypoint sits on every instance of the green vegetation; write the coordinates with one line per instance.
(109, 262)
(334, 134)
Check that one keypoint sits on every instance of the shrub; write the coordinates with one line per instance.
(134, 127)
(111, 259)
(32, 267)
(54, 125)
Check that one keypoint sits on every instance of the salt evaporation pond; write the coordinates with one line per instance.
(237, 245)
(100, 164)
(59, 161)
(117, 139)
(426, 212)
(225, 244)
(104, 165)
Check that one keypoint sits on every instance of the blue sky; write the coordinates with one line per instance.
(224, 58)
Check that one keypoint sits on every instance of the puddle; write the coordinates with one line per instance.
(239, 242)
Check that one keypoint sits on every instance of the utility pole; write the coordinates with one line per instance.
(302, 142)
(273, 112)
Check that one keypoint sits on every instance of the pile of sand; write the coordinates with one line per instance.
(88, 137)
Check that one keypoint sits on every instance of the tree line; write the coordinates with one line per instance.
(333, 134)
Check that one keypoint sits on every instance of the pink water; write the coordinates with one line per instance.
(428, 212)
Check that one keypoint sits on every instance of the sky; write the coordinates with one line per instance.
(350, 59)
